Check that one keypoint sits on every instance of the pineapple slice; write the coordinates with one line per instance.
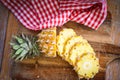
(47, 42)
(70, 43)
(63, 36)
(87, 66)
(78, 50)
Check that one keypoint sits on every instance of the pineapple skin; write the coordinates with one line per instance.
(47, 42)
(87, 66)
(63, 36)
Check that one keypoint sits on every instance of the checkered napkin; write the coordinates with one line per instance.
(41, 14)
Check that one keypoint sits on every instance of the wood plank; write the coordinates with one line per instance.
(6, 60)
(43, 73)
(105, 48)
(14, 27)
(57, 64)
(49, 68)
(3, 26)
(114, 9)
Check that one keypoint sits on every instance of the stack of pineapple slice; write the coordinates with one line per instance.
(78, 52)
(47, 42)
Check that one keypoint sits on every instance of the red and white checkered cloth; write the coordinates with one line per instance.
(41, 14)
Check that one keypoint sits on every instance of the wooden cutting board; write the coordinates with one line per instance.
(103, 41)
(43, 68)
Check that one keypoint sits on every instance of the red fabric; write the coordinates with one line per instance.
(41, 14)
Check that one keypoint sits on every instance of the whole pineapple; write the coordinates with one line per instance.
(47, 42)
(24, 46)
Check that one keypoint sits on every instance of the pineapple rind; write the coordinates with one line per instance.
(47, 42)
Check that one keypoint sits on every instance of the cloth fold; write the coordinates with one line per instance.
(42, 14)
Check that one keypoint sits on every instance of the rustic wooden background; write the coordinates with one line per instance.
(105, 41)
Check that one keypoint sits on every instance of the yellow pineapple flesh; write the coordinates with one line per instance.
(70, 43)
(47, 42)
(78, 50)
(63, 36)
(87, 66)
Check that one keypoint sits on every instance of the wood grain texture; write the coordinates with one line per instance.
(13, 28)
(114, 9)
(59, 69)
(6, 60)
(112, 71)
(54, 68)
(43, 68)
(3, 27)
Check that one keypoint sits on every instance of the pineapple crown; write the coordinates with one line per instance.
(24, 46)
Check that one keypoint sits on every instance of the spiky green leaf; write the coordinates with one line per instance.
(12, 44)
(20, 40)
(23, 36)
(15, 47)
(29, 43)
(19, 51)
(13, 56)
(23, 54)
(25, 46)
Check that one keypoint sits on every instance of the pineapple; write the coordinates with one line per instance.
(87, 66)
(23, 46)
(70, 43)
(78, 50)
(47, 42)
(63, 36)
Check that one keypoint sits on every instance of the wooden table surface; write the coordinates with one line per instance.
(105, 41)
